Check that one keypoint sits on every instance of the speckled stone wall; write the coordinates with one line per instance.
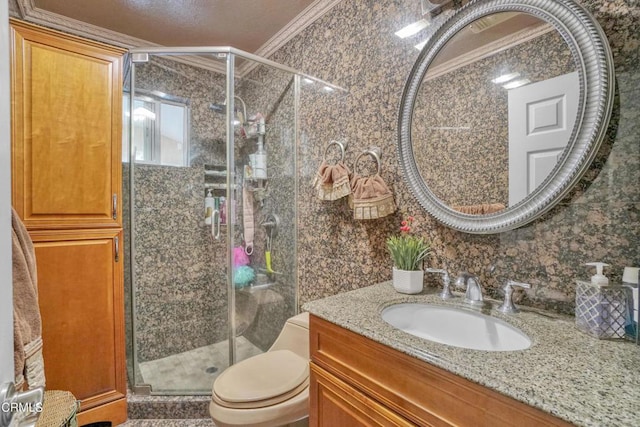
(181, 298)
(460, 126)
(354, 46)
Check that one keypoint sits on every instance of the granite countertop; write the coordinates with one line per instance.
(565, 372)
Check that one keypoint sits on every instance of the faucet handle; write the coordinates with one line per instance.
(446, 281)
(508, 306)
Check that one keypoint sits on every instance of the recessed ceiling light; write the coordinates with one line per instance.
(419, 46)
(517, 83)
(328, 89)
(308, 81)
(412, 29)
(505, 78)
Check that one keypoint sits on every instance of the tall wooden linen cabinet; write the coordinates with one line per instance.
(66, 98)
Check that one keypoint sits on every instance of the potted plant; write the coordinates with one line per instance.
(407, 252)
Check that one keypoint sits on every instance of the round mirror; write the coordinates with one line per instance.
(503, 112)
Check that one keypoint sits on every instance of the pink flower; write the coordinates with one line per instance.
(405, 228)
(403, 223)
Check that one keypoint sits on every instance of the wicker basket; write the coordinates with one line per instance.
(59, 410)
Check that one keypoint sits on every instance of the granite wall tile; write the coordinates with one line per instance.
(354, 46)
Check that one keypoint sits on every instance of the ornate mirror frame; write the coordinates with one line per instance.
(592, 56)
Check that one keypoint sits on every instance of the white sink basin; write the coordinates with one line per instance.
(455, 327)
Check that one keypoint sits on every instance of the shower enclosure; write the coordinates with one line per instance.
(210, 177)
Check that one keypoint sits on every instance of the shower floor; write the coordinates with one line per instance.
(191, 371)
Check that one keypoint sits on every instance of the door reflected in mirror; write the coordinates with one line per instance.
(492, 114)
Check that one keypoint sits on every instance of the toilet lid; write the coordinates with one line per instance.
(262, 380)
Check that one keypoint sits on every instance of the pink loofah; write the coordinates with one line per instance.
(240, 258)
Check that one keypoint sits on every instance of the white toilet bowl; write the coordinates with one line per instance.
(268, 390)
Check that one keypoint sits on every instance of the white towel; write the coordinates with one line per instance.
(247, 219)
(27, 332)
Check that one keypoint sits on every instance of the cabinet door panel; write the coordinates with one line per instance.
(335, 403)
(66, 129)
(81, 303)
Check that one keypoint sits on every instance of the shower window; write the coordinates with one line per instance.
(160, 131)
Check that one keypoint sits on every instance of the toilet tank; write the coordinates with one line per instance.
(294, 336)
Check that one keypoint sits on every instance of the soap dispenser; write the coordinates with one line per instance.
(599, 278)
(601, 309)
(209, 206)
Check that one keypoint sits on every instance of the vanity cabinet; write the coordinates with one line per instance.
(358, 382)
(66, 106)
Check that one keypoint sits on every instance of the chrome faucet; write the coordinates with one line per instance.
(446, 282)
(508, 307)
(473, 294)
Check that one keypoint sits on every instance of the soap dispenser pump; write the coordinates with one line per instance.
(209, 206)
(599, 278)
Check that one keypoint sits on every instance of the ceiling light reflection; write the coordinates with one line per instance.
(412, 29)
(517, 83)
(505, 78)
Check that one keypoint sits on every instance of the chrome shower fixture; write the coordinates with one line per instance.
(221, 109)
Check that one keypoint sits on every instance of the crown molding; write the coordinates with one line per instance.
(28, 11)
(487, 50)
(308, 16)
(14, 10)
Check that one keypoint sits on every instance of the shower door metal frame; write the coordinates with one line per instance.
(141, 55)
(231, 293)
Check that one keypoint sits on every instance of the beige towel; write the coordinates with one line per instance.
(482, 209)
(370, 197)
(27, 331)
(332, 181)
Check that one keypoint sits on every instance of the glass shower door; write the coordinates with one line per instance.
(177, 278)
(211, 218)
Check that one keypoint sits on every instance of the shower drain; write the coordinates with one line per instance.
(211, 370)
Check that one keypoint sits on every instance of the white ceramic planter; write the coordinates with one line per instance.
(408, 281)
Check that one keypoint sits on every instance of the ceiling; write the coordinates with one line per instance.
(259, 27)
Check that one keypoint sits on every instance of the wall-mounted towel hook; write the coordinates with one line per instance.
(374, 152)
(341, 144)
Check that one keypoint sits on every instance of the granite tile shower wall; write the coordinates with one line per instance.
(181, 298)
(354, 46)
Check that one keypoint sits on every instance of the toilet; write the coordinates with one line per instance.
(270, 389)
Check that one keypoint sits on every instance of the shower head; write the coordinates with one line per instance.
(218, 108)
(222, 108)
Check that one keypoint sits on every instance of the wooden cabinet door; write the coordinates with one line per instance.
(335, 403)
(66, 130)
(82, 307)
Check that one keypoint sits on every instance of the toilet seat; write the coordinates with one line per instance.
(263, 380)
